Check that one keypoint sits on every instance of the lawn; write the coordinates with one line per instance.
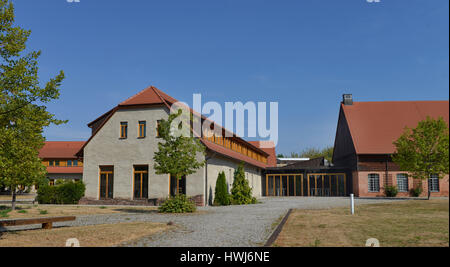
(105, 235)
(35, 211)
(399, 224)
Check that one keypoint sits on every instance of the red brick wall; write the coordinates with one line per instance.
(360, 184)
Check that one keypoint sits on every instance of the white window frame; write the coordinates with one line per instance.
(373, 186)
(402, 183)
(433, 181)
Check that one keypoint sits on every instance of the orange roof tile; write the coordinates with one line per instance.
(374, 126)
(60, 150)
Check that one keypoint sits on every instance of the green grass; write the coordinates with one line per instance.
(42, 212)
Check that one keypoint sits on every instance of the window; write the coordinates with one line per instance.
(374, 182)
(106, 182)
(158, 122)
(123, 129)
(140, 182)
(402, 182)
(73, 163)
(142, 129)
(433, 183)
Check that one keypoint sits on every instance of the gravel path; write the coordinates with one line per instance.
(249, 225)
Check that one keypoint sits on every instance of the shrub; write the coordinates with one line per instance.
(241, 193)
(417, 191)
(177, 204)
(67, 192)
(70, 192)
(391, 191)
(222, 197)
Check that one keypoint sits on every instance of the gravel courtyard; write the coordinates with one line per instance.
(219, 226)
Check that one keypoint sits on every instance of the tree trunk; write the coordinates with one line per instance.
(13, 203)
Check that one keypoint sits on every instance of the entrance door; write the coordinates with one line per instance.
(177, 186)
(140, 182)
(106, 182)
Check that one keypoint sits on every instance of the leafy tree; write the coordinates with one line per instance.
(424, 150)
(222, 197)
(22, 112)
(280, 156)
(312, 153)
(241, 193)
(177, 155)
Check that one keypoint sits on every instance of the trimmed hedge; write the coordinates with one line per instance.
(178, 204)
(67, 192)
(222, 197)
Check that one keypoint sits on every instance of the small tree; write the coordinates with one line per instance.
(424, 150)
(222, 197)
(241, 193)
(177, 155)
(22, 113)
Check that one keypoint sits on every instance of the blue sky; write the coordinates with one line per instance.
(302, 53)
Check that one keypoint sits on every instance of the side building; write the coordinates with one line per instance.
(118, 157)
(61, 161)
(364, 144)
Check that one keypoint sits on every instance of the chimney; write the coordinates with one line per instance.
(347, 99)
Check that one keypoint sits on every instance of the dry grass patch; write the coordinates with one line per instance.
(9, 198)
(105, 235)
(36, 211)
(397, 224)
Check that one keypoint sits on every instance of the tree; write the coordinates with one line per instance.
(177, 155)
(241, 193)
(424, 150)
(22, 112)
(312, 153)
(222, 197)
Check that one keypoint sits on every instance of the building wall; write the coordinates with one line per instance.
(106, 149)
(361, 184)
(219, 163)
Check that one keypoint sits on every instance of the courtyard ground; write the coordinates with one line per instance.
(249, 225)
(398, 224)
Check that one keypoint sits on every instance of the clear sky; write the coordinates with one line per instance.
(302, 53)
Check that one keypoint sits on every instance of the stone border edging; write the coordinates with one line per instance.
(277, 231)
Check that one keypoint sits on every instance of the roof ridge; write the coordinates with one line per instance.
(135, 95)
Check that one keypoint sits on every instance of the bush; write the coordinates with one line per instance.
(67, 192)
(222, 197)
(416, 192)
(241, 193)
(391, 191)
(177, 204)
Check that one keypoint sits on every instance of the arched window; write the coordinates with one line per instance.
(402, 182)
(374, 182)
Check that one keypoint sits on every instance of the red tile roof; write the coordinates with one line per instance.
(60, 150)
(65, 170)
(374, 126)
(152, 96)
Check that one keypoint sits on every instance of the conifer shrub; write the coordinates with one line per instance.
(241, 193)
(222, 197)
